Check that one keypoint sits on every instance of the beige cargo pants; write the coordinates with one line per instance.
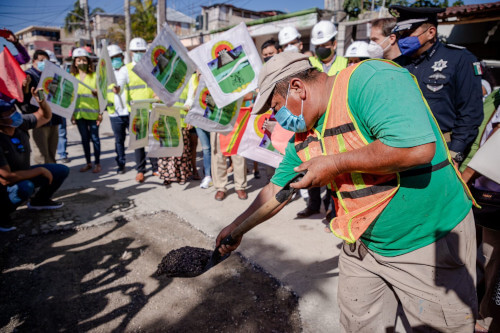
(435, 285)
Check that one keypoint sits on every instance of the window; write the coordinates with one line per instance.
(57, 49)
(31, 46)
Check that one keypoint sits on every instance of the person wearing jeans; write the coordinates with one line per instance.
(63, 142)
(87, 115)
(18, 180)
(89, 130)
(207, 158)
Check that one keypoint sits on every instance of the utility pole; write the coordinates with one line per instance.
(85, 5)
(128, 30)
(161, 15)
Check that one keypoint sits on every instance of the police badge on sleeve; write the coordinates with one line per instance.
(477, 68)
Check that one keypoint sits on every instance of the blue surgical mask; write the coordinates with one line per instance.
(288, 120)
(41, 66)
(137, 57)
(16, 118)
(409, 45)
(117, 63)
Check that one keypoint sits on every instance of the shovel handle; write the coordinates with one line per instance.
(283, 195)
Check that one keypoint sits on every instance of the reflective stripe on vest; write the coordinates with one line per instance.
(339, 64)
(136, 88)
(87, 105)
(360, 197)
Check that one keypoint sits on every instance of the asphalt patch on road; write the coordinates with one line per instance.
(103, 279)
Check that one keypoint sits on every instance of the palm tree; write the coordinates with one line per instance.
(143, 19)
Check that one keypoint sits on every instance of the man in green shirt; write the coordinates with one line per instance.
(420, 249)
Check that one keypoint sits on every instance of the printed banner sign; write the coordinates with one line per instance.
(206, 115)
(165, 135)
(256, 144)
(105, 77)
(229, 143)
(230, 64)
(60, 90)
(139, 124)
(166, 66)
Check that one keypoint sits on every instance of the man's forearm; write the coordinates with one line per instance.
(17, 176)
(44, 114)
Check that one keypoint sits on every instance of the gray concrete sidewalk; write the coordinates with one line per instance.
(295, 251)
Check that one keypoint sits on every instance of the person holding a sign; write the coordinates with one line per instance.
(139, 90)
(403, 211)
(18, 179)
(87, 116)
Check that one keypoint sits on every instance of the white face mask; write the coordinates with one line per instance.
(376, 51)
(291, 48)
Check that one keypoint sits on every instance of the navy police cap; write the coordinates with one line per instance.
(409, 18)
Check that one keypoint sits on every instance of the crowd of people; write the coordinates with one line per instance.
(388, 140)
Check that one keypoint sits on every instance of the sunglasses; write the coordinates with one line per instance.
(18, 144)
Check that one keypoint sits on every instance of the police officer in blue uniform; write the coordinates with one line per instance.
(448, 75)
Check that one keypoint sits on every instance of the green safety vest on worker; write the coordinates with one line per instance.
(87, 105)
(339, 64)
(136, 89)
(183, 98)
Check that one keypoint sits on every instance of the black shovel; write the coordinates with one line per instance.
(191, 262)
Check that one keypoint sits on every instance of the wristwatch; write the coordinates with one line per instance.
(458, 157)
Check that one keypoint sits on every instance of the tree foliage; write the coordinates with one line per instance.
(73, 22)
(143, 19)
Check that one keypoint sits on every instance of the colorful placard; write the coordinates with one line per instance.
(165, 135)
(256, 143)
(60, 89)
(166, 66)
(139, 124)
(105, 77)
(205, 113)
(230, 64)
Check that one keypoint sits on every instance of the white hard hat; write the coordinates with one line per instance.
(114, 50)
(52, 57)
(138, 44)
(322, 32)
(357, 50)
(287, 35)
(80, 52)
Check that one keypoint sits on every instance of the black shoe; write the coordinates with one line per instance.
(44, 204)
(6, 224)
(121, 170)
(65, 160)
(307, 212)
(256, 174)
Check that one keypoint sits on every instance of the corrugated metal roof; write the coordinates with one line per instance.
(469, 10)
(175, 16)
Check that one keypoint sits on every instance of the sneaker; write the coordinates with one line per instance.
(44, 204)
(6, 225)
(65, 160)
(206, 182)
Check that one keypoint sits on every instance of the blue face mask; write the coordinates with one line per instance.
(16, 118)
(137, 57)
(409, 45)
(41, 66)
(117, 63)
(288, 120)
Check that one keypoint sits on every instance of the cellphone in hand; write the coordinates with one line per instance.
(41, 96)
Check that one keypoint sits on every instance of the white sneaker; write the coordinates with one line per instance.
(206, 182)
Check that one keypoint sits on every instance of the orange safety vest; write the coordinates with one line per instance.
(360, 197)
